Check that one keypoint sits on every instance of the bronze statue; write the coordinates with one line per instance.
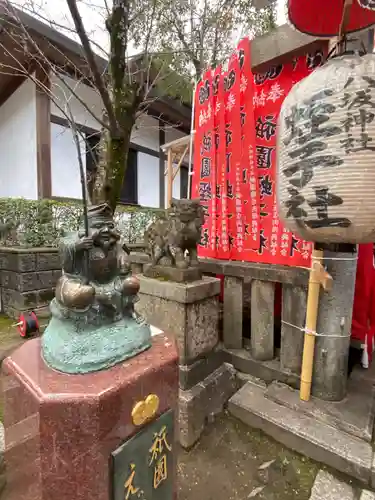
(94, 300)
(168, 240)
(107, 285)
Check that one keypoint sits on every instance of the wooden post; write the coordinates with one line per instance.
(318, 277)
(169, 178)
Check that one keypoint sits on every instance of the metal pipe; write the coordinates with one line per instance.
(192, 133)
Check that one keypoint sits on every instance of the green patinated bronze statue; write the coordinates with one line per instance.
(94, 324)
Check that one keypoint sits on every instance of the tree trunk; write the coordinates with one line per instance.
(106, 181)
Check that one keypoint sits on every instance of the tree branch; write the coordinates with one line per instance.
(90, 57)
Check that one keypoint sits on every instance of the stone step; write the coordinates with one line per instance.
(328, 487)
(303, 433)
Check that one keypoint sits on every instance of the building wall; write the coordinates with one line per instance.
(18, 154)
(64, 162)
(66, 180)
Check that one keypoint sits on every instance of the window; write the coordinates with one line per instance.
(92, 151)
(184, 172)
(129, 191)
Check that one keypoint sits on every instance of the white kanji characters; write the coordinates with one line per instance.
(243, 83)
(231, 101)
(275, 92)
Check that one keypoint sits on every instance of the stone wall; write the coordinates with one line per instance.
(27, 279)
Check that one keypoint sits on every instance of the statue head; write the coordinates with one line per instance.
(187, 210)
(101, 225)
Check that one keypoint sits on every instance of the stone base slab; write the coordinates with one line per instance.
(197, 371)
(303, 433)
(354, 415)
(172, 273)
(202, 401)
(328, 487)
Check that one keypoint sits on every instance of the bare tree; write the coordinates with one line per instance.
(172, 38)
(197, 34)
(125, 84)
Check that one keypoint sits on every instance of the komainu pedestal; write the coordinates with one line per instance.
(99, 436)
(190, 312)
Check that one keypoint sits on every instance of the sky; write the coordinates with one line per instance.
(92, 12)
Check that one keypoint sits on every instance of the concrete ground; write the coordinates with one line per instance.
(234, 462)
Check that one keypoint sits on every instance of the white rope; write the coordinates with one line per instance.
(315, 334)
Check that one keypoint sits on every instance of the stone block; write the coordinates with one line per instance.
(20, 261)
(189, 311)
(233, 311)
(194, 373)
(294, 300)
(302, 433)
(48, 261)
(13, 301)
(328, 487)
(367, 495)
(202, 402)
(262, 320)
(136, 268)
(47, 279)
(173, 273)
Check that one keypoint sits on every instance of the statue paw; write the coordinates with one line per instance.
(182, 264)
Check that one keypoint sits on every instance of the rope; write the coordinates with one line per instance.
(315, 334)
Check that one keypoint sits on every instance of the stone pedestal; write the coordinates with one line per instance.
(67, 436)
(190, 311)
(335, 320)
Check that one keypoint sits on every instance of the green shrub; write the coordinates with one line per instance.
(29, 223)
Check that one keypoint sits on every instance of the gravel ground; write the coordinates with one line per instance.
(234, 462)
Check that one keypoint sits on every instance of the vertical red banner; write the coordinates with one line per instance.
(204, 178)
(277, 244)
(250, 187)
(222, 227)
(233, 158)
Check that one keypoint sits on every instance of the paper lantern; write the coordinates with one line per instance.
(326, 153)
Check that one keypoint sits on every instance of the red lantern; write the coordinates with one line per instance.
(322, 18)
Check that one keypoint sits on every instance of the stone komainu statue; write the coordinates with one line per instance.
(169, 238)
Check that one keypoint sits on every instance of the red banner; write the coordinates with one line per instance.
(233, 157)
(204, 179)
(222, 239)
(235, 160)
(250, 186)
(277, 244)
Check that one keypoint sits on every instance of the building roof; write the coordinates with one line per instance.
(59, 48)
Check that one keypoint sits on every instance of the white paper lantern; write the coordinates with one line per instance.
(326, 153)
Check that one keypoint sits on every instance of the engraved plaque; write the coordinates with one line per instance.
(143, 467)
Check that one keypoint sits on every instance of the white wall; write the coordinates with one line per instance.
(18, 147)
(66, 180)
(148, 180)
(146, 133)
(69, 103)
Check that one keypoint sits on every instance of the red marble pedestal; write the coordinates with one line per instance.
(61, 429)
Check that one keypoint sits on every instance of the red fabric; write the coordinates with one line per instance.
(363, 322)
(322, 18)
